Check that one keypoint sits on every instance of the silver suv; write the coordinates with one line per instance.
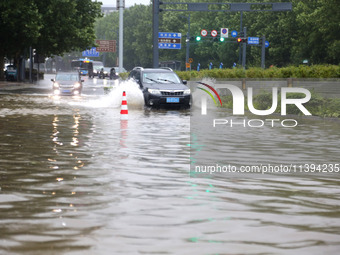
(67, 84)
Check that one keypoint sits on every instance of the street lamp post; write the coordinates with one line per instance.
(120, 6)
(188, 44)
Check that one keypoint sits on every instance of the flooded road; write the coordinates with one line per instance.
(75, 179)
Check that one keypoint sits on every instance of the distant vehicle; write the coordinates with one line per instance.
(67, 84)
(83, 65)
(161, 87)
(102, 74)
(11, 73)
(113, 74)
(97, 66)
(109, 72)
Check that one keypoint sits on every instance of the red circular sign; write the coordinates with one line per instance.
(213, 33)
(204, 32)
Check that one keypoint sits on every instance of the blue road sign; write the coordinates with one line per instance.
(253, 40)
(171, 46)
(234, 33)
(169, 35)
(266, 44)
(167, 40)
(91, 53)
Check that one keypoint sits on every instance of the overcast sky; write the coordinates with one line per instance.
(127, 2)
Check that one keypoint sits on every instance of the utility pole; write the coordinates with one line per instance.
(244, 49)
(240, 52)
(188, 43)
(120, 6)
(31, 65)
(263, 52)
(117, 48)
(155, 11)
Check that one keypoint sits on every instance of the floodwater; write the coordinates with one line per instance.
(75, 179)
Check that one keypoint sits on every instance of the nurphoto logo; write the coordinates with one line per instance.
(238, 98)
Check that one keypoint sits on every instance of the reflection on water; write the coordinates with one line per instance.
(302, 149)
(75, 179)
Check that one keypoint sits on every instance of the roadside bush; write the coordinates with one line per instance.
(255, 72)
(314, 71)
(123, 75)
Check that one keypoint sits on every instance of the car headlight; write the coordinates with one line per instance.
(187, 92)
(76, 85)
(154, 91)
(55, 85)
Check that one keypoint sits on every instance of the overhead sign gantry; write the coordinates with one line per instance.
(208, 7)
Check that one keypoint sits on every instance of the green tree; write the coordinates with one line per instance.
(20, 24)
(318, 23)
(138, 36)
(50, 26)
(107, 28)
(68, 25)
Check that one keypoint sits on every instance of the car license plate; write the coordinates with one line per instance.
(172, 100)
(66, 91)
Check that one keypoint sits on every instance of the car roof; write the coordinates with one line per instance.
(156, 70)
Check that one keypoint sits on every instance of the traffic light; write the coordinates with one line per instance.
(198, 38)
(222, 39)
(242, 40)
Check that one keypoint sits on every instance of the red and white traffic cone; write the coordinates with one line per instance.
(124, 109)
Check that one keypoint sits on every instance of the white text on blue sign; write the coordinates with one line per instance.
(175, 46)
(253, 40)
(169, 35)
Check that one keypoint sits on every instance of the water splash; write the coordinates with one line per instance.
(113, 99)
(134, 95)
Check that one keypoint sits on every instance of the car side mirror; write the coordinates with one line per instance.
(185, 82)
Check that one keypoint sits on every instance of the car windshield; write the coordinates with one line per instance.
(10, 68)
(96, 67)
(158, 77)
(67, 77)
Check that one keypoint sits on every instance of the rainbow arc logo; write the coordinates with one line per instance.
(209, 93)
(203, 99)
